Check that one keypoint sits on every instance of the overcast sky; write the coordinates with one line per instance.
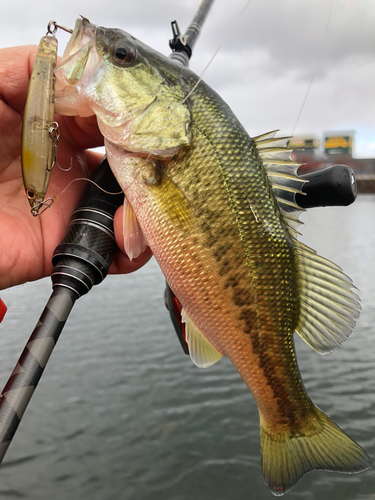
(264, 70)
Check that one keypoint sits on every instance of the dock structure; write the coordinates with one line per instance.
(365, 183)
(335, 149)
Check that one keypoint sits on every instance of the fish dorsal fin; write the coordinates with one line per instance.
(202, 353)
(281, 170)
(329, 307)
(134, 241)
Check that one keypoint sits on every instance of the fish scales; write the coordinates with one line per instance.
(266, 328)
(215, 207)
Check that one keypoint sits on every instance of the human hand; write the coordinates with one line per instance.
(26, 242)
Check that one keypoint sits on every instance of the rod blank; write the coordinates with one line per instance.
(30, 366)
(182, 46)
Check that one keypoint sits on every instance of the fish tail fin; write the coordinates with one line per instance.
(287, 457)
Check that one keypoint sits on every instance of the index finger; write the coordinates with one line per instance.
(16, 64)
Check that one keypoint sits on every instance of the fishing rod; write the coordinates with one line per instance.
(81, 261)
(83, 258)
(182, 45)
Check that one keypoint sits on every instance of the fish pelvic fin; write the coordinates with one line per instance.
(289, 456)
(134, 241)
(202, 352)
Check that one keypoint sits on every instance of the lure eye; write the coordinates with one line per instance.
(123, 55)
(30, 194)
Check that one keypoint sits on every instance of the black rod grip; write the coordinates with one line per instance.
(329, 187)
(83, 257)
(81, 261)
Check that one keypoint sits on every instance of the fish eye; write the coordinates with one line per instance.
(122, 54)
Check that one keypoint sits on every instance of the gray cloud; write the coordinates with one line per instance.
(263, 70)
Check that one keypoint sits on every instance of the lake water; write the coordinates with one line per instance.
(121, 413)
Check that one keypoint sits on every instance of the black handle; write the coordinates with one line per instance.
(332, 186)
(81, 261)
(83, 257)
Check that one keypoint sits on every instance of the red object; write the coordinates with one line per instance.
(3, 310)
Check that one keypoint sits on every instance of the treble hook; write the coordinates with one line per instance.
(54, 133)
(66, 169)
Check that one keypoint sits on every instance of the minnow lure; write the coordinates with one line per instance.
(39, 132)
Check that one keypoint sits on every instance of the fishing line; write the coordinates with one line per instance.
(317, 64)
(55, 198)
(231, 33)
(88, 180)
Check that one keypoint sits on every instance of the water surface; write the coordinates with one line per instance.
(121, 412)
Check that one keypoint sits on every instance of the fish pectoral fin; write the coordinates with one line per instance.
(322, 445)
(173, 202)
(202, 353)
(134, 241)
(329, 308)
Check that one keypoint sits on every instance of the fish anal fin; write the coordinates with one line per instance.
(202, 353)
(134, 241)
(289, 456)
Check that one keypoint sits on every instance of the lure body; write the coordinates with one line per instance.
(39, 132)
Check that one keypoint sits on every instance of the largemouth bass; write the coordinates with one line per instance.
(217, 209)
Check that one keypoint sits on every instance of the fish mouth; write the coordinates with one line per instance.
(78, 64)
(84, 66)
